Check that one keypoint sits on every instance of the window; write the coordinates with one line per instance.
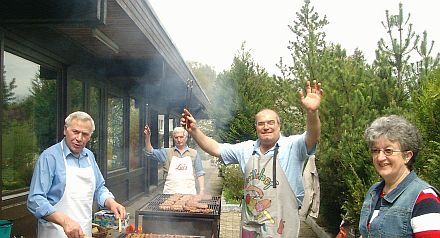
(134, 157)
(29, 119)
(95, 109)
(76, 96)
(170, 129)
(115, 133)
(160, 126)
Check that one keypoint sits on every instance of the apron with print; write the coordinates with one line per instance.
(180, 178)
(269, 205)
(76, 201)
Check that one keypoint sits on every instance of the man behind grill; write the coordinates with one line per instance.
(272, 167)
(181, 164)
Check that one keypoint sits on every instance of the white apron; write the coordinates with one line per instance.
(269, 205)
(76, 201)
(180, 178)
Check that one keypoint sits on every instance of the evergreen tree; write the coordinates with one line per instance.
(402, 42)
(427, 62)
(8, 95)
(425, 112)
(239, 94)
(205, 75)
(306, 50)
(43, 97)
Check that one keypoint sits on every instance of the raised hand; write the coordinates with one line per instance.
(314, 94)
(187, 121)
(147, 131)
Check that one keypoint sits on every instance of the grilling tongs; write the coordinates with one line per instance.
(189, 86)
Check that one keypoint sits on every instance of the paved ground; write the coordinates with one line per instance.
(230, 216)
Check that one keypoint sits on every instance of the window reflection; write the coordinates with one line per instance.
(160, 126)
(134, 158)
(94, 100)
(170, 132)
(29, 118)
(76, 95)
(115, 132)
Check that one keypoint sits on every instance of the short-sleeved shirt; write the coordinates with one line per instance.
(292, 153)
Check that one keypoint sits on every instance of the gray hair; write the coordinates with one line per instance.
(78, 115)
(180, 129)
(397, 129)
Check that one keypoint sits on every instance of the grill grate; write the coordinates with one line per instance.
(160, 236)
(153, 207)
(189, 223)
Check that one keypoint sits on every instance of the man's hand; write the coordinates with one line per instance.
(72, 228)
(116, 208)
(314, 94)
(147, 138)
(147, 131)
(187, 121)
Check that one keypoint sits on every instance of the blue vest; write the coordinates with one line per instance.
(394, 219)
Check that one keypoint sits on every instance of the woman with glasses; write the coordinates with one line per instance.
(402, 204)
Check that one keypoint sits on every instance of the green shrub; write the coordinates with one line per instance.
(233, 183)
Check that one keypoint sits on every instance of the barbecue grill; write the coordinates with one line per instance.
(155, 220)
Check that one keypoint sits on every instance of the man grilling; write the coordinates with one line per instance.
(181, 164)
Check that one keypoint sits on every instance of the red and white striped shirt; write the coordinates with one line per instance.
(425, 220)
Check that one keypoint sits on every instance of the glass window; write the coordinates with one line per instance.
(95, 109)
(75, 96)
(29, 118)
(134, 158)
(170, 134)
(160, 126)
(115, 132)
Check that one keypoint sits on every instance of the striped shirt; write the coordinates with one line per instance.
(425, 219)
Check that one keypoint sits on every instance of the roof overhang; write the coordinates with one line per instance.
(128, 36)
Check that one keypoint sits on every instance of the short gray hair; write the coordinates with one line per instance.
(180, 129)
(397, 129)
(79, 115)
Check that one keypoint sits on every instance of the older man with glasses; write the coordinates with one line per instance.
(272, 167)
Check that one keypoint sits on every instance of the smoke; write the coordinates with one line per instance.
(224, 101)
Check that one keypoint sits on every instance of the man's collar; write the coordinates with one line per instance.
(67, 151)
(257, 146)
(185, 149)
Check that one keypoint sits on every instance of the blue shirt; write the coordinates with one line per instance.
(161, 156)
(49, 179)
(292, 153)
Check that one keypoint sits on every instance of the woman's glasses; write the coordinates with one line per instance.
(387, 152)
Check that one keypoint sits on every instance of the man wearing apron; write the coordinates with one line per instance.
(181, 164)
(65, 182)
(272, 167)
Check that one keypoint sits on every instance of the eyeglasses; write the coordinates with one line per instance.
(263, 123)
(387, 152)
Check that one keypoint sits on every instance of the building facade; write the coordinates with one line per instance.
(110, 58)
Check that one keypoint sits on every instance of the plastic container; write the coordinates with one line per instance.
(5, 228)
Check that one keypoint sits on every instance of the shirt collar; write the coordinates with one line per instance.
(393, 195)
(186, 149)
(257, 146)
(67, 152)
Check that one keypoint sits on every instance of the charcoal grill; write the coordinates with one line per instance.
(155, 220)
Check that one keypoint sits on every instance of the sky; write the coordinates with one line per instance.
(212, 32)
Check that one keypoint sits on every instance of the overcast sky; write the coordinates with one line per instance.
(211, 32)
